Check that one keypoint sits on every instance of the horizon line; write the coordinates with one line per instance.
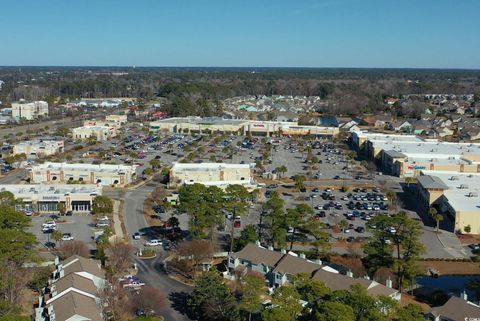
(237, 67)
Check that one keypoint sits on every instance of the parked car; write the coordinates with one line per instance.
(136, 236)
(154, 242)
(28, 212)
(102, 224)
(67, 237)
(49, 224)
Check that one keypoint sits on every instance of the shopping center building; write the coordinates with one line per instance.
(212, 174)
(238, 126)
(39, 147)
(61, 173)
(408, 155)
(455, 195)
(43, 198)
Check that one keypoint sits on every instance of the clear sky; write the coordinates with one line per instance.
(242, 33)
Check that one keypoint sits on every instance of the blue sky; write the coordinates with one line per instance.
(243, 33)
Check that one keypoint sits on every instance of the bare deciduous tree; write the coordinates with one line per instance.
(74, 248)
(120, 257)
(192, 254)
(150, 299)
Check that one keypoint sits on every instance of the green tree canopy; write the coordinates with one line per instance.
(212, 299)
(102, 205)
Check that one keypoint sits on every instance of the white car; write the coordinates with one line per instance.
(28, 212)
(49, 224)
(154, 242)
(392, 230)
(67, 237)
(102, 224)
(103, 218)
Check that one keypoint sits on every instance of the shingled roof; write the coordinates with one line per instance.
(456, 309)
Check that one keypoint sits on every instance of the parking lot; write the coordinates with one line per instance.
(80, 226)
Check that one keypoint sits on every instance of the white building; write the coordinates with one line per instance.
(101, 133)
(39, 147)
(103, 174)
(46, 198)
(29, 111)
(212, 174)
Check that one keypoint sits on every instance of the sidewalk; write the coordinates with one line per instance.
(117, 223)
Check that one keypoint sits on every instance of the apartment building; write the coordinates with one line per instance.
(73, 292)
(279, 268)
(29, 111)
(47, 198)
(101, 133)
(212, 174)
(39, 148)
(62, 173)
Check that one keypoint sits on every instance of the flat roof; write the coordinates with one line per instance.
(113, 168)
(462, 188)
(39, 142)
(201, 121)
(24, 190)
(209, 166)
(96, 127)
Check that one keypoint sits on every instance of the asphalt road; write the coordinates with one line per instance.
(14, 177)
(151, 273)
(149, 270)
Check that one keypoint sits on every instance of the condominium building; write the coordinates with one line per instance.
(280, 267)
(101, 133)
(39, 147)
(73, 292)
(29, 111)
(47, 198)
(212, 174)
(103, 174)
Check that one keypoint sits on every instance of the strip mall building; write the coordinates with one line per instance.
(239, 127)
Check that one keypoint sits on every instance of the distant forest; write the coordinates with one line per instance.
(200, 91)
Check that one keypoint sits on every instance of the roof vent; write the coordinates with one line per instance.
(454, 178)
(472, 194)
(463, 186)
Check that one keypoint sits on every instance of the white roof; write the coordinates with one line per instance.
(96, 128)
(87, 167)
(461, 188)
(27, 191)
(209, 166)
(40, 143)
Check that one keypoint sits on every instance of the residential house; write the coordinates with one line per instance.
(455, 309)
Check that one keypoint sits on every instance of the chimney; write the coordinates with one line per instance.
(270, 248)
(389, 283)
(318, 261)
(350, 273)
(257, 243)
(283, 251)
(302, 256)
(366, 277)
(464, 295)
